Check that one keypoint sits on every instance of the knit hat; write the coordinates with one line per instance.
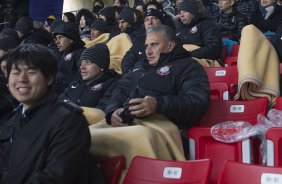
(99, 25)
(154, 13)
(24, 25)
(108, 12)
(189, 6)
(98, 54)
(7, 43)
(55, 24)
(68, 29)
(10, 32)
(127, 15)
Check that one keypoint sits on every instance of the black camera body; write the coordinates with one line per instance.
(126, 116)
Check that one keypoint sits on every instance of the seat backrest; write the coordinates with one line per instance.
(274, 146)
(111, 167)
(278, 103)
(227, 75)
(235, 172)
(219, 91)
(202, 146)
(234, 50)
(230, 61)
(220, 111)
(149, 171)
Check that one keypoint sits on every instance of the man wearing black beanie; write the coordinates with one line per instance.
(98, 80)
(198, 31)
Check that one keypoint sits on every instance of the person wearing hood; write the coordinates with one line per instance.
(201, 33)
(28, 34)
(71, 46)
(98, 80)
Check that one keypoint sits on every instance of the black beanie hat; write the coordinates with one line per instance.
(154, 13)
(55, 24)
(68, 29)
(98, 54)
(24, 25)
(99, 25)
(189, 6)
(108, 12)
(127, 15)
(7, 43)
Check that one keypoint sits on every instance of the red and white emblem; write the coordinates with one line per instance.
(68, 57)
(163, 70)
(194, 30)
(96, 87)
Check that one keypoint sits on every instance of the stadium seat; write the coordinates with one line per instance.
(224, 52)
(219, 91)
(227, 75)
(274, 146)
(234, 50)
(278, 103)
(230, 61)
(150, 171)
(111, 167)
(203, 146)
(235, 172)
(220, 111)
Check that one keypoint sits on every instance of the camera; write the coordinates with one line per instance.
(126, 116)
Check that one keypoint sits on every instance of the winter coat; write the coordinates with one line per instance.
(179, 84)
(231, 24)
(95, 93)
(203, 33)
(276, 41)
(48, 143)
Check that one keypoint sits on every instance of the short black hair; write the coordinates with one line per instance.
(33, 55)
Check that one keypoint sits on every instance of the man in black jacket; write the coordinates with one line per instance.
(43, 141)
(168, 82)
(198, 30)
(98, 81)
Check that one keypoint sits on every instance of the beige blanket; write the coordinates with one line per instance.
(154, 137)
(118, 46)
(258, 67)
(103, 38)
(203, 62)
(93, 115)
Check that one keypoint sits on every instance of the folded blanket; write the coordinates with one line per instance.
(118, 46)
(93, 115)
(154, 137)
(258, 66)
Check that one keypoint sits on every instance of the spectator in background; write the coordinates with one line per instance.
(200, 34)
(98, 80)
(48, 22)
(247, 7)
(84, 19)
(70, 46)
(10, 32)
(268, 17)
(97, 6)
(120, 3)
(108, 15)
(69, 17)
(276, 41)
(28, 34)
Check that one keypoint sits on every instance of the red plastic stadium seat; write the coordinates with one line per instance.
(111, 167)
(220, 111)
(274, 146)
(219, 91)
(227, 75)
(234, 50)
(278, 103)
(235, 173)
(230, 61)
(150, 171)
(203, 146)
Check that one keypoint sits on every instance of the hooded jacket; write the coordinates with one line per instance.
(179, 84)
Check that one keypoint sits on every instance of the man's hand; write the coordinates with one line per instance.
(116, 120)
(141, 107)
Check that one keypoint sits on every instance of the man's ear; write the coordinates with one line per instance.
(171, 45)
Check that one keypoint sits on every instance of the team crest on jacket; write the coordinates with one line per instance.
(194, 30)
(68, 57)
(96, 87)
(163, 70)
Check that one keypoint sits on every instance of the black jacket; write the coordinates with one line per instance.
(49, 143)
(68, 68)
(276, 40)
(37, 36)
(231, 24)
(270, 24)
(203, 33)
(95, 93)
(179, 84)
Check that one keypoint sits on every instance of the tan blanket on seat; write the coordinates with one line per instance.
(258, 67)
(103, 38)
(154, 137)
(93, 115)
(118, 46)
